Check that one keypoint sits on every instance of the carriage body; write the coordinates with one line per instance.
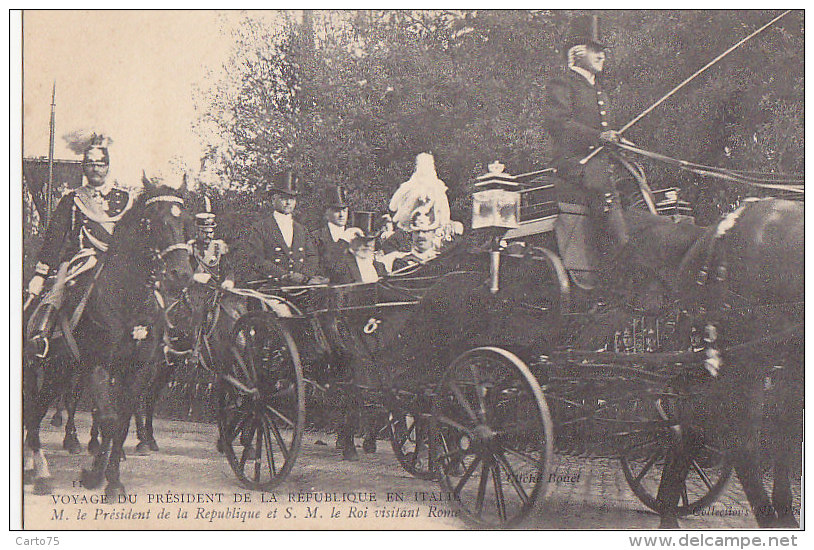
(475, 359)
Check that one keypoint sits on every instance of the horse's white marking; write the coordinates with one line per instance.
(41, 464)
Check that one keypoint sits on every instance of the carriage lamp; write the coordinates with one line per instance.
(495, 203)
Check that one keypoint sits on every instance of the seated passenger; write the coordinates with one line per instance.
(425, 244)
(359, 265)
(331, 239)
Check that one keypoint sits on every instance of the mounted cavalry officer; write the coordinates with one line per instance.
(280, 248)
(78, 235)
(577, 114)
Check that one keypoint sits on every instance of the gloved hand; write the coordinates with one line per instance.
(318, 280)
(611, 136)
(295, 278)
(228, 284)
(35, 284)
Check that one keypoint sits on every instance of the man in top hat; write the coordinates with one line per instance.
(425, 243)
(280, 248)
(78, 235)
(358, 264)
(331, 239)
(577, 112)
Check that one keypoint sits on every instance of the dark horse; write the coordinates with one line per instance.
(745, 276)
(121, 333)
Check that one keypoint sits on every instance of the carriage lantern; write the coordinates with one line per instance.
(496, 203)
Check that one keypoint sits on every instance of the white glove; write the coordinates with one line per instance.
(228, 284)
(35, 285)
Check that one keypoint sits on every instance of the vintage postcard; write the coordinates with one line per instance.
(409, 270)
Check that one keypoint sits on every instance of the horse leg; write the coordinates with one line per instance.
(748, 471)
(39, 402)
(144, 425)
(56, 419)
(101, 387)
(371, 424)
(348, 429)
(114, 487)
(71, 400)
(93, 442)
(673, 482)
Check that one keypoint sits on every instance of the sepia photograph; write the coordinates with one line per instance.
(408, 269)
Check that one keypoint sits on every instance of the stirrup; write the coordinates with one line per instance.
(46, 345)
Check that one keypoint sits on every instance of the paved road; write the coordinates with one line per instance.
(188, 464)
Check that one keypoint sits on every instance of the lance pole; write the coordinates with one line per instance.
(687, 80)
(49, 188)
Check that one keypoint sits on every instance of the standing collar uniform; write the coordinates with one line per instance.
(271, 255)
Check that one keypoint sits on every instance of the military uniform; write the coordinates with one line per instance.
(80, 232)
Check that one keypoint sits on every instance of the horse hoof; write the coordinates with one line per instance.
(42, 486)
(28, 477)
(89, 479)
(219, 445)
(369, 446)
(93, 446)
(71, 444)
(668, 523)
(142, 449)
(113, 491)
(153, 445)
(350, 455)
(56, 420)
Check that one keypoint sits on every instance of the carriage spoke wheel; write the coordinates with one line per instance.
(409, 437)
(498, 437)
(643, 459)
(261, 413)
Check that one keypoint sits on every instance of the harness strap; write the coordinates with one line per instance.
(67, 333)
(80, 308)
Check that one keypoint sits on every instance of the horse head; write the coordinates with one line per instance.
(157, 232)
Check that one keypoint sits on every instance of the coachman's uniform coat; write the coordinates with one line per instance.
(576, 113)
(328, 250)
(271, 257)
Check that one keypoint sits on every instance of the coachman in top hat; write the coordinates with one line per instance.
(280, 248)
(331, 238)
(77, 237)
(578, 119)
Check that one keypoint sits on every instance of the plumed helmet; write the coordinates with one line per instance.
(91, 144)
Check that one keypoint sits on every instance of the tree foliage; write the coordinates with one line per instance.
(352, 97)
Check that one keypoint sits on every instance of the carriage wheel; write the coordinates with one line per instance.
(409, 437)
(262, 404)
(643, 460)
(498, 437)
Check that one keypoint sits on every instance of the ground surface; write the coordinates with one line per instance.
(188, 467)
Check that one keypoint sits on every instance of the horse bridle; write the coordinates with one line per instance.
(185, 245)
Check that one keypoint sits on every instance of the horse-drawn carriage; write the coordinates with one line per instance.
(485, 362)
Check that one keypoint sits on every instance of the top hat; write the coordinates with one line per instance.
(366, 223)
(335, 197)
(584, 30)
(286, 183)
